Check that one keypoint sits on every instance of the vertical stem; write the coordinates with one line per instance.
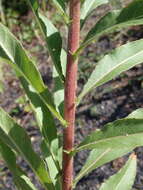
(70, 92)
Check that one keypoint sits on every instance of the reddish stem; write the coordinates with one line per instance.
(70, 92)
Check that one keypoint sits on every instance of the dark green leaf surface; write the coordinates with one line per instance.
(19, 138)
(51, 35)
(124, 179)
(113, 64)
(21, 180)
(15, 54)
(128, 16)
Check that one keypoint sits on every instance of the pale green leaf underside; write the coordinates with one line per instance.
(115, 20)
(88, 6)
(17, 135)
(116, 135)
(11, 49)
(124, 132)
(99, 157)
(124, 179)
(104, 153)
(113, 64)
(19, 177)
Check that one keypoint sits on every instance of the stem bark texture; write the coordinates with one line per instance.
(70, 92)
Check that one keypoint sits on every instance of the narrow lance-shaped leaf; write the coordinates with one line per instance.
(38, 99)
(98, 157)
(113, 64)
(12, 50)
(21, 180)
(124, 179)
(20, 139)
(121, 133)
(51, 35)
(87, 7)
(115, 20)
(44, 118)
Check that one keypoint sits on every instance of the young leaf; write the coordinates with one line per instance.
(20, 139)
(21, 180)
(113, 64)
(115, 20)
(13, 51)
(99, 157)
(51, 35)
(124, 179)
(115, 135)
(88, 6)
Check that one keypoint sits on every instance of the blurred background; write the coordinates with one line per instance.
(114, 100)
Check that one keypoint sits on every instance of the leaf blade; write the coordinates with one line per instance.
(114, 64)
(87, 7)
(50, 34)
(22, 142)
(21, 180)
(99, 157)
(128, 16)
(124, 179)
(15, 54)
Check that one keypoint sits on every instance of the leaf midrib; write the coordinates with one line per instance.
(107, 139)
(91, 165)
(104, 76)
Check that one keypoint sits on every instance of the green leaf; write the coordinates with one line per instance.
(54, 43)
(61, 7)
(88, 6)
(52, 36)
(113, 64)
(13, 51)
(105, 154)
(19, 138)
(44, 118)
(53, 171)
(99, 157)
(115, 20)
(21, 180)
(137, 114)
(124, 179)
(58, 85)
(115, 135)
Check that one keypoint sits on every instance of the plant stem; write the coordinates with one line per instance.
(70, 92)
